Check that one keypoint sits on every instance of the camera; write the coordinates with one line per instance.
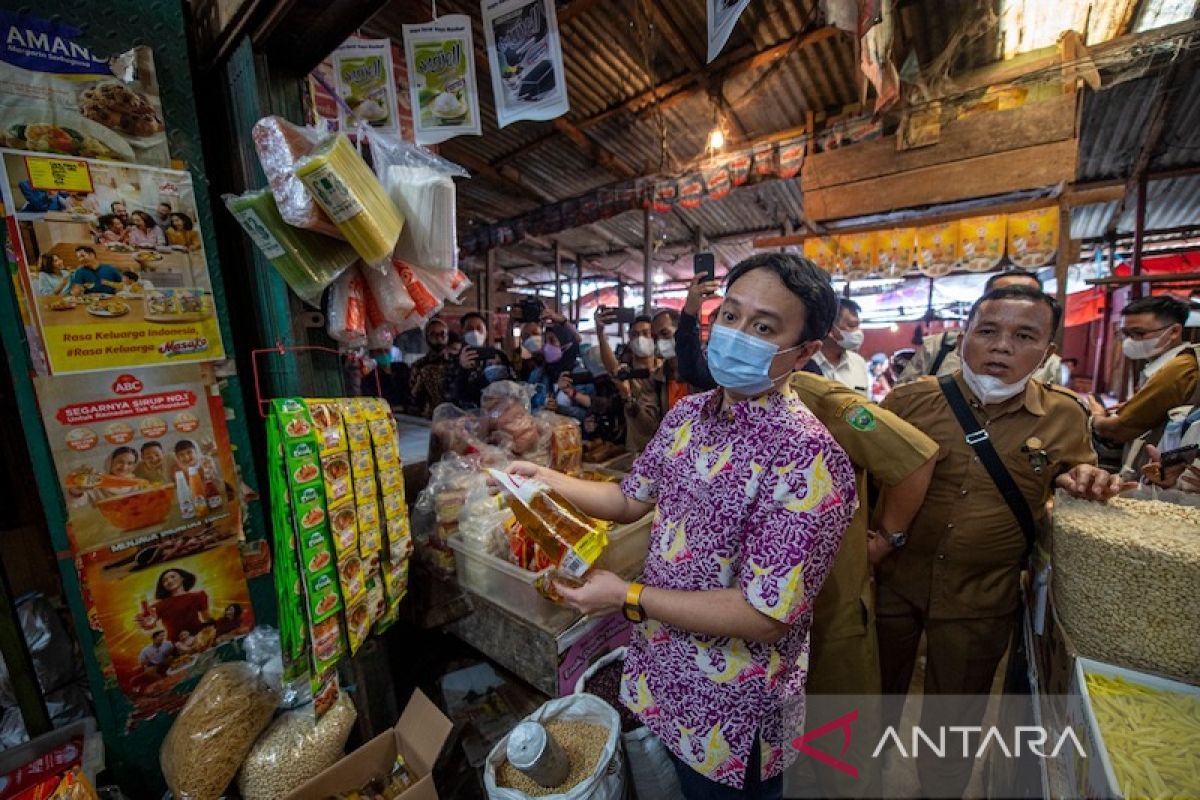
(528, 310)
(628, 373)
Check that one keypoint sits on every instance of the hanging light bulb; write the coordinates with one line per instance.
(716, 139)
(659, 278)
(894, 328)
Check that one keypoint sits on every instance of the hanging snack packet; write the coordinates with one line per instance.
(346, 315)
(308, 261)
(572, 540)
(344, 186)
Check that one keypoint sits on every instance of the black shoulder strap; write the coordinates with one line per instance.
(981, 443)
(949, 341)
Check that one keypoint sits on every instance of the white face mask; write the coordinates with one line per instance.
(850, 340)
(1143, 349)
(666, 348)
(990, 389)
(642, 346)
(474, 338)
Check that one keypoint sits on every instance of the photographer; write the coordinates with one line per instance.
(639, 395)
(477, 365)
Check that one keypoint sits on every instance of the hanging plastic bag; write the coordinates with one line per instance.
(450, 285)
(392, 298)
(425, 302)
(280, 144)
(308, 261)
(421, 184)
(346, 317)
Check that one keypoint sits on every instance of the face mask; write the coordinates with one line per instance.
(533, 344)
(850, 340)
(1142, 349)
(474, 338)
(666, 348)
(552, 353)
(563, 399)
(642, 346)
(741, 362)
(495, 372)
(990, 389)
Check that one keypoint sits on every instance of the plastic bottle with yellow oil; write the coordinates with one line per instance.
(571, 539)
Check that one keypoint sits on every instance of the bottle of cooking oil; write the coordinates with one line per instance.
(571, 539)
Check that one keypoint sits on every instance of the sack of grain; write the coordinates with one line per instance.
(1125, 576)
(211, 736)
(296, 747)
(587, 728)
(650, 767)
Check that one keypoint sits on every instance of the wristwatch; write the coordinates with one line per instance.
(897, 540)
(632, 609)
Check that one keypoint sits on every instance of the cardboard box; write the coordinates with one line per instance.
(1094, 776)
(418, 736)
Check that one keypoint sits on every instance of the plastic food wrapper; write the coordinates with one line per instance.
(215, 730)
(571, 539)
(346, 316)
(280, 145)
(297, 746)
(562, 442)
(308, 261)
(484, 520)
(425, 302)
(344, 186)
(450, 285)
(390, 296)
(438, 507)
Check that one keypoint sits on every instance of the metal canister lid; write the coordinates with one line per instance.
(526, 744)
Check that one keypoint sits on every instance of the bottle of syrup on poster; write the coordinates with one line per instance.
(196, 485)
(183, 495)
(212, 490)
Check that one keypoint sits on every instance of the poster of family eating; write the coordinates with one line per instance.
(111, 261)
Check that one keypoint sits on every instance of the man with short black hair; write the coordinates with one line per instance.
(431, 373)
(752, 498)
(92, 277)
(1006, 442)
(638, 391)
(839, 359)
(1152, 331)
(939, 352)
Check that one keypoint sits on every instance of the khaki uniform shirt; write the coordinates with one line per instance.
(877, 441)
(1049, 372)
(1175, 384)
(963, 557)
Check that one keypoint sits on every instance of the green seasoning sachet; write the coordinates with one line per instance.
(308, 261)
(293, 625)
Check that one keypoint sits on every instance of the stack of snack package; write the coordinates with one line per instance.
(328, 221)
(340, 529)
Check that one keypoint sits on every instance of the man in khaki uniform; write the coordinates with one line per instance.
(844, 656)
(1152, 328)
(957, 578)
(926, 361)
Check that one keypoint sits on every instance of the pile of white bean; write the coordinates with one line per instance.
(295, 748)
(1127, 583)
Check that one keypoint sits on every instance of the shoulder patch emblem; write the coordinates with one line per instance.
(859, 417)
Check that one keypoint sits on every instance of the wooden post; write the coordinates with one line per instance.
(1099, 361)
(1062, 266)
(485, 291)
(647, 262)
(557, 277)
(1139, 233)
(578, 289)
(620, 304)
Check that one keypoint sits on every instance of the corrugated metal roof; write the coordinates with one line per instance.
(1113, 127)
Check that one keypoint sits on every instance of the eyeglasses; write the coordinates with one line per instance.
(1138, 333)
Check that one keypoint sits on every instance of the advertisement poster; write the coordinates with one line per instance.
(982, 242)
(362, 72)
(1033, 237)
(722, 17)
(440, 56)
(57, 96)
(525, 55)
(111, 260)
(166, 604)
(139, 453)
(938, 249)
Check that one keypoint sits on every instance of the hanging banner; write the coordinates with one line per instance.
(691, 191)
(364, 78)
(981, 241)
(59, 97)
(764, 160)
(324, 110)
(894, 251)
(938, 248)
(140, 453)
(791, 157)
(525, 56)
(856, 252)
(167, 605)
(716, 183)
(822, 251)
(441, 72)
(1033, 237)
(739, 167)
(722, 17)
(111, 260)
(666, 193)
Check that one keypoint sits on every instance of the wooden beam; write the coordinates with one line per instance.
(575, 10)
(1034, 124)
(593, 149)
(504, 176)
(1177, 277)
(996, 173)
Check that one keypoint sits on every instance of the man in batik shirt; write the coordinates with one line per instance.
(753, 496)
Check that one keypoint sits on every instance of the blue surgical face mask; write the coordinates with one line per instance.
(741, 362)
(495, 372)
